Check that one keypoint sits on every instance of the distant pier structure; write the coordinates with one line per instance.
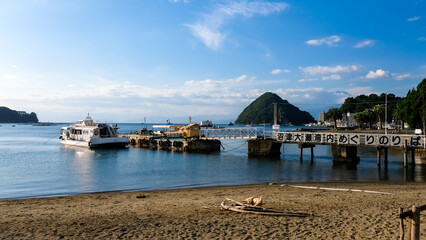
(344, 144)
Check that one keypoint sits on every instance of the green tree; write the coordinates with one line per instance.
(379, 111)
(412, 109)
(362, 102)
(334, 114)
(367, 117)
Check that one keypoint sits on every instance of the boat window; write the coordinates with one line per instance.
(76, 131)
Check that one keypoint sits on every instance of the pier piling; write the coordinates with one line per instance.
(379, 153)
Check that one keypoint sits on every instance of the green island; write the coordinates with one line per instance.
(8, 115)
(261, 111)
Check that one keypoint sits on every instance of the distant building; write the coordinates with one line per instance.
(22, 112)
(322, 117)
(206, 123)
(347, 120)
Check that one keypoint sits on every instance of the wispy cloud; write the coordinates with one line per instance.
(277, 71)
(307, 80)
(329, 41)
(175, 1)
(379, 73)
(413, 19)
(364, 43)
(332, 77)
(9, 76)
(208, 29)
(313, 70)
(402, 76)
(422, 38)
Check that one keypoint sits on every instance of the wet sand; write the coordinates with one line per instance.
(196, 213)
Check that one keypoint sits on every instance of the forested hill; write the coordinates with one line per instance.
(11, 116)
(261, 111)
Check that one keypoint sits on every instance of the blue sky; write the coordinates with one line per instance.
(170, 59)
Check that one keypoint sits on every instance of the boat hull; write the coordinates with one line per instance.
(99, 143)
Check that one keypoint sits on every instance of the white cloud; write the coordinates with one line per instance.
(211, 37)
(413, 19)
(240, 78)
(402, 76)
(364, 43)
(307, 79)
(208, 30)
(422, 38)
(175, 1)
(327, 69)
(329, 41)
(9, 76)
(332, 77)
(276, 71)
(379, 73)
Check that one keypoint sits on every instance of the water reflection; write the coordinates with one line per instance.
(35, 166)
(81, 160)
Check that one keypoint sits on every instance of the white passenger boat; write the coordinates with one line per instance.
(86, 133)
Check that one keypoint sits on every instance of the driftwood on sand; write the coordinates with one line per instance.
(232, 205)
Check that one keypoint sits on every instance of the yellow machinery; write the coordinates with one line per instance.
(188, 131)
(191, 130)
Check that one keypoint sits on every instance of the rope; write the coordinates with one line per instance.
(50, 139)
(235, 147)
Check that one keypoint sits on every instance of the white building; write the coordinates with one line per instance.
(347, 120)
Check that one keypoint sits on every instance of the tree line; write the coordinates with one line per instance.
(371, 109)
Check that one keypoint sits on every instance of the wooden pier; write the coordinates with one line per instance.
(344, 144)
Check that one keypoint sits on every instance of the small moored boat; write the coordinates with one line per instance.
(86, 133)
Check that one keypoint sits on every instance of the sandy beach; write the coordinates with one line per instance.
(196, 213)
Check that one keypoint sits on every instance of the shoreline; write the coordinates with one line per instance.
(195, 213)
(201, 187)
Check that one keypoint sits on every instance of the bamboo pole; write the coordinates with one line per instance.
(401, 225)
(409, 228)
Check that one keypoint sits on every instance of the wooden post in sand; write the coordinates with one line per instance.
(415, 225)
(312, 154)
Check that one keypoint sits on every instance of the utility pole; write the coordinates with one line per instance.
(386, 114)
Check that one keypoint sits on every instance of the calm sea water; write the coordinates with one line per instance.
(33, 163)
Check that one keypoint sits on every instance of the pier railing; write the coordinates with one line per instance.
(231, 133)
(350, 139)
